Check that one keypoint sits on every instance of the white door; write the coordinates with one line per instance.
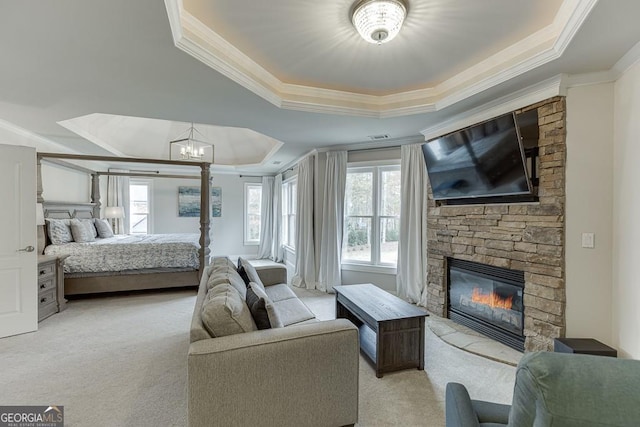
(18, 259)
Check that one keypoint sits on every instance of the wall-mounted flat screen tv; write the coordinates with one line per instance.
(484, 160)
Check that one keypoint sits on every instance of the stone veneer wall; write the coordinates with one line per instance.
(521, 236)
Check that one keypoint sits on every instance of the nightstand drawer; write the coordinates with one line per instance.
(47, 297)
(47, 310)
(50, 285)
(46, 270)
(46, 284)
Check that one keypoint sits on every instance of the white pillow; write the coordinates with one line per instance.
(59, 231)
(104, 228)
(90, 225)
(81, 231)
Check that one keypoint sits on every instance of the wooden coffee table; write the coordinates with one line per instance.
(391, 330)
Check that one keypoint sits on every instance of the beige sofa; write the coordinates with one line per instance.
(302, 374)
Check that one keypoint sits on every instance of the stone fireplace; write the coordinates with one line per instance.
(525, 237)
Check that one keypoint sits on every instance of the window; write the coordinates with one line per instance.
(372, 216)
(252, 213)
(140, 207)
(289, 192)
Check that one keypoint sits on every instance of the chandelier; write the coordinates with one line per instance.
(188, 147)
(378, 21)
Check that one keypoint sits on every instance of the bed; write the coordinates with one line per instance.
(131, 262)
(123, 262)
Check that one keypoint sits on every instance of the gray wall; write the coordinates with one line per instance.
(227, 231)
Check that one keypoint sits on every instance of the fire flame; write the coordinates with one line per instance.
(492, 299)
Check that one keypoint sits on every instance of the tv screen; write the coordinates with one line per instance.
(483, 160)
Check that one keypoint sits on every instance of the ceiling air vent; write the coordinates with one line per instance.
(378, 137)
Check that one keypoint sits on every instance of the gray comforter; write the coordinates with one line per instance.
(131, 252)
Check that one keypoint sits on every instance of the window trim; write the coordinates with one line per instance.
(287, 182)
(375, 265)
(149, 184)
(248, 185)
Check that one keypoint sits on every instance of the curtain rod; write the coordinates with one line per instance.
(389, 147)
(148, 175)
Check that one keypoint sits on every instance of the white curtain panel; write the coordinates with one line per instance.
(266, 219)
(305, 273)
(329, 274)
(277, 252)
(118, 195)
(412, 245)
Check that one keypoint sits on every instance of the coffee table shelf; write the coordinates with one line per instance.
(391, 330)
(367, 341)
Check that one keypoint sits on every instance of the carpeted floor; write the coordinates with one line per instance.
(121, 361)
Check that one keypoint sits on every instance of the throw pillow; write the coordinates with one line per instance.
(104, 228)
(90, 226)
(274, 319)
(80, 232)
(242, 272)
(250, 271)
(224, 312)
(59, 231)
(258, 310)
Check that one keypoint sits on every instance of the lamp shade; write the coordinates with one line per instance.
(39, 214)
(114, 212)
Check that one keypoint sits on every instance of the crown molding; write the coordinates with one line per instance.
(390, 143)
(547, 89)
(631, 58)
(31, 139)
(547, 44)
(586, 79)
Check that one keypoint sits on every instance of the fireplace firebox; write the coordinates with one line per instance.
(487, 299)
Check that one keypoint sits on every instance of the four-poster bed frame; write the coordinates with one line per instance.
(126, 282)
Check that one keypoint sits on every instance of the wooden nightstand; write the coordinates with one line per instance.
(50, 286)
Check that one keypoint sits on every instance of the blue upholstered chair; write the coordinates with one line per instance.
(559, 390)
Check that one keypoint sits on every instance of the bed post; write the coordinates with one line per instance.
(39, 198)
(95, 194)
(205, 215)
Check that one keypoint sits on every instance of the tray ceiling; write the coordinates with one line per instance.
(307, 56)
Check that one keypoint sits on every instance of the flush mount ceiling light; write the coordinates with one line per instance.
(188, 147)
(378, 21)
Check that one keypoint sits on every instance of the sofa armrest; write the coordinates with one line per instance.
(294, 376)
(459, 410)
(272, 274)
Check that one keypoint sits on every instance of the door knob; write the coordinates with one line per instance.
(27, 249)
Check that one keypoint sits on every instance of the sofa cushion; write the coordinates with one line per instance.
(274, 318)
(250, 270)
(291, 311)
(279, 292)
(224, 312)
(258, 309)
(223, 271)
